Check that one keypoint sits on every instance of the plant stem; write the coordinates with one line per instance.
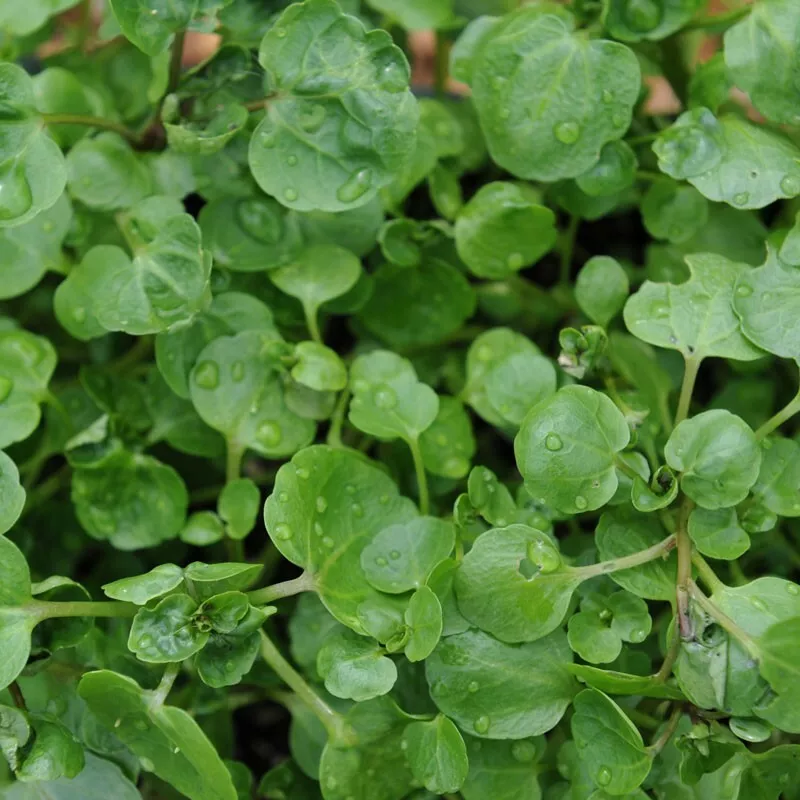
(692, 365)
(165, 685)
(141, 350)
(724, 620)
(257, 105)
(333, 722)
(43, 609)
(567, 249)
(233, 467)
(422, 478)
(442, 65)
(669, 660)
(626, 562)
(17, 696)
(312, 324)
(706, 573)
(337, 420)
(684, 577)
(659, 744)
(91, 122)
(175, 62)
(302, 583)
(787, 412)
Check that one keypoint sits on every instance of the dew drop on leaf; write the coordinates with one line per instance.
(322, 504)
(603, 776)
(283, 532)
(793, 588)
(515, 261)
(580, 502)
(741, 198)
(385, 398)
(357, 509)
(473, 687)
(523, 751)
(790, 184)
(553, 442)
(302, 473)
(394, 555)
(482, 724)
(327, 541)
(292, 161)
(290, 194)
(311, 118)
(206, 375)
(237, 371)
(567, 132)
(356, 186)
(269, 434)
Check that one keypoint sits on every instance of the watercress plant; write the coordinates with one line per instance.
(362, 441)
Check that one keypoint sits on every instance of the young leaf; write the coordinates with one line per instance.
(436, 754)
(448, 443)
(633, 21)
(601, 289)
(425, 622)
(717, 534)
(238, 505)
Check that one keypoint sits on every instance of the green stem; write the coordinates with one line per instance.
(17, 696)
(786, 413)
(49, 487)
(422, 478)
(684, 576)
(257, 105)
(442, 65)
(337, 420)
(175, 62)
(333, 722)
(80, 608)
(567, 249)
(302, 583)
(91, 122)
(627, 562)
(233, 467)
(692, 365)
(724, 621)
(669, 660)
(165, 685)
(706, 573)
(665, 735)
(312, 324)
(141, 351)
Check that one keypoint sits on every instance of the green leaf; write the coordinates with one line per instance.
(490, 498)
(23, 18)
(500, 231)
(319, 367)
(441, 582)
(717, 533)
(165, 633)
(425, 622)
(105, 174)
(417, 14)
(718, 457)
(202, 529)
(779, 477)
(132, 501)
(773, 289)
(729, 160)
(207, 580)
(436, 754)
(215, 124)
(343, 122)
(27, 363)
(140, 589)
(760, 53)
(12, 495)
(566, 449)
(32, 171)
(612, 682)
(166, 739)
(388, 400)
(400, 557)
(612, 174)
(31, 249)
(501, 691)
(582, 92)
(601, 289)
(448, 443)
(288, 781)
(326, 507)
(15, 624)
(417, 308)
(355, 668)
(609, 743)
(673, 212)
(624, 531)
(512, 583)
(659, 493)
(635, 20)
(238, 505)
(236, 388)
(375, 766)
(696, 317)
(502, 770)
(53, 752)
(150, 24)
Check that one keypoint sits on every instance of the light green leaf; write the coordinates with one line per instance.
(207, 580)
(355, 668)
(609, 743)
(503, 770)
(140, 589)
(151, 24)
(417, 15)
(436, 754)
(513, 584)
(500, 231)
(696, 317)
(718, 456)
(238, 505)
(12, 495)
(342, 122)
(166, 739)
(448, 444)
(535, 80)
(15, 624)
(23, 17)
(566, 449)
(673, 212)
(319, 367)
(635, 20)
(659, 493)
(166, 632)
(326, 506)
(601, 289)
(500, 691)
(612, 174)
(779, 477)
(717, 534)
(612, 682)
(425, 623)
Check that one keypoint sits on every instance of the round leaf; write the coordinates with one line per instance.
(12, 495)
(436, 754)
(601, 289)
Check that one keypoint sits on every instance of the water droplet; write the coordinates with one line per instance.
(484, 353)
(237, 371)
(793, 588)
(327, 541)
(79, 314)
(580, 502)
(638, 636)
(269, 138)
(473, 687)
(790, 185)
(482, 724)
(6, 386)
(331, 783)
(206, 375)
(608, 96)
(392, 77)
(603, 777)
(385, 397)
(661, 310)
(15, 191)
(515, 261)
(269, 434)
(283, 532)
(619, 120)
(567, 132)
(553, 442)
(544, 555)
(381, 561)
(759, 604)
(318, 529)
(394, 555)
(741, 198)
(302, 473)
(290, 195)
(357, 509)
(523, 751)
(140, 725)
(147, 764)
(384, 500)
(229, 667)
(356, 186)
(280, 33)
(322, 504)
(283, 497)
(292, 161)
(312, 117)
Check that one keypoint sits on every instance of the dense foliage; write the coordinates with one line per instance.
(362, 443)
